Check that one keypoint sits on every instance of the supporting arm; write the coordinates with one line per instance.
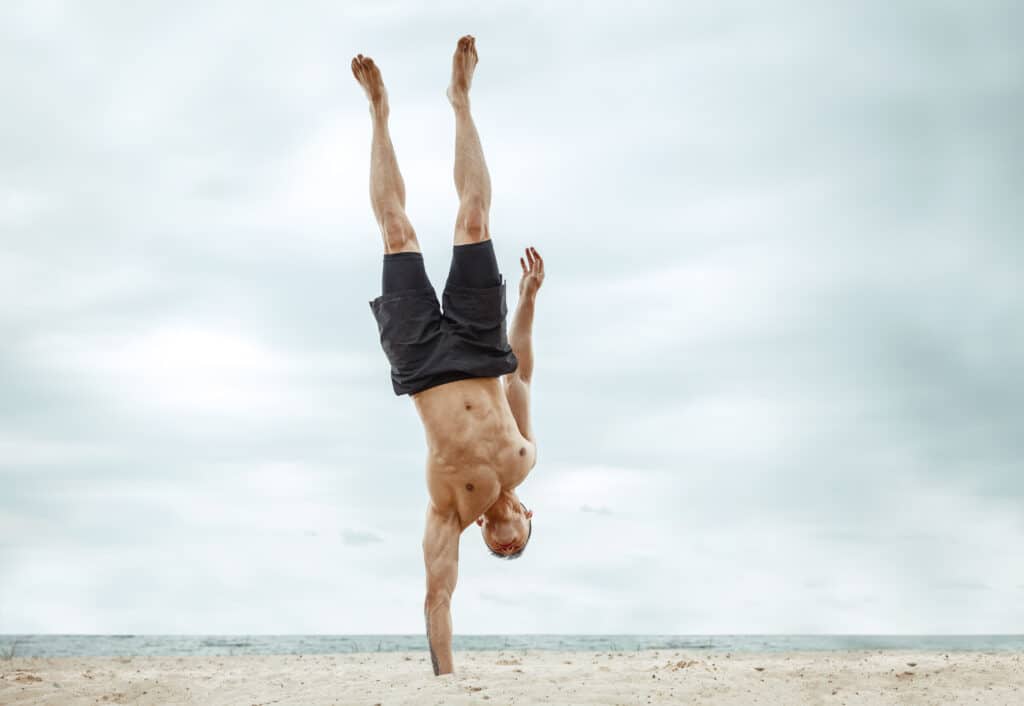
(441, 557)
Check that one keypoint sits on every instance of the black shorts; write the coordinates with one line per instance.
(428, 346)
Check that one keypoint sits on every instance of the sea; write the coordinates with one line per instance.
(207, 645)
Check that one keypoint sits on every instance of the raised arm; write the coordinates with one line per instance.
(441, 557)
(520, 337)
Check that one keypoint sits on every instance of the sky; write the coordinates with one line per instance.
(779, 352)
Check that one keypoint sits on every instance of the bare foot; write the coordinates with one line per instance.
(368, 75)
(463, 64)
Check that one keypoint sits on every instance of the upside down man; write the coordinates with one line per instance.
(468, 378)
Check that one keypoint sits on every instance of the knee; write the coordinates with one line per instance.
(472, 224)
(398, 232)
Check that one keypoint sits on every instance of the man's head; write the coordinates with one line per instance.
(506, 528)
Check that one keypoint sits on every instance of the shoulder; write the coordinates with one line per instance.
(441, 525)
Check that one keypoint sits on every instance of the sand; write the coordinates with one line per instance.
(530, 677)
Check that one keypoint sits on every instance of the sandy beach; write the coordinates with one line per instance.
(531, 677)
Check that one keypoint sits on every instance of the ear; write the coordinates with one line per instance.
(480, 521)
(529, 514)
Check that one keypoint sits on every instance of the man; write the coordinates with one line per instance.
(469, 380)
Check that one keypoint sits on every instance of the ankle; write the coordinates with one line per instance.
(459, 101)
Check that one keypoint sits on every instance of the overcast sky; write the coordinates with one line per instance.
(780, 348)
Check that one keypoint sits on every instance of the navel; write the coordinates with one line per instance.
(469, 486)
(469, 406)
(522, 451)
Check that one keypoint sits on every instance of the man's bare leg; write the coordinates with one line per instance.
(472, 182)
(387, 189)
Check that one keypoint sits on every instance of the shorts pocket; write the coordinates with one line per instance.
(409, 323)
(476, 309)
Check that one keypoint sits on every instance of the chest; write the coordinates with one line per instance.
(469, 490)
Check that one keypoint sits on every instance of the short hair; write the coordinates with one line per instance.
(517, 554)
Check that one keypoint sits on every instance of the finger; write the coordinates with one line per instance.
(522, 264)
(540, 260)
(529, 258)
(355, 67)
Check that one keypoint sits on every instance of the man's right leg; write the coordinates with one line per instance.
(472, 180)
(387, 189)
(473, 261)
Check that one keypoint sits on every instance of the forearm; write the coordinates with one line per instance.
(520, 336)
(437, 610)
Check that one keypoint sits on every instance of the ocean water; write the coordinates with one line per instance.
(175, 645)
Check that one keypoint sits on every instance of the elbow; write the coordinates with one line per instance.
(437, 598)
(523, 373)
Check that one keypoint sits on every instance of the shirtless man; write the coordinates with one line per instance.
(470, 381)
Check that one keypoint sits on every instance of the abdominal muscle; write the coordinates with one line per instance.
(474, 447)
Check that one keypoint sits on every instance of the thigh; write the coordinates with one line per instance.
(403, 271)
(474, 266)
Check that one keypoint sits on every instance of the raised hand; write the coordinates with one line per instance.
(533, 273)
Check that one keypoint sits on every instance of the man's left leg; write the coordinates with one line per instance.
(387, 188)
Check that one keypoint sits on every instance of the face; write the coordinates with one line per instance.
(509, 535)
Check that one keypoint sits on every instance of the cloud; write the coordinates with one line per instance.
(499, 599)
(779, 334)
(355, 538)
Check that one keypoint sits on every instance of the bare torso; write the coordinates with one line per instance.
(474, 446)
